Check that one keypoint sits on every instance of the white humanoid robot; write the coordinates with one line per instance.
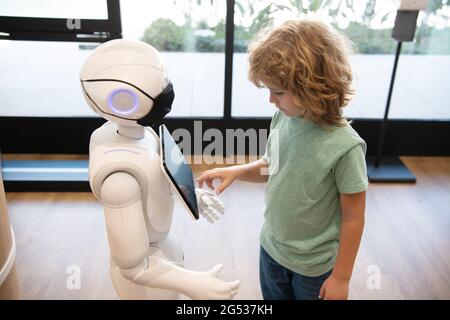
(125, 82)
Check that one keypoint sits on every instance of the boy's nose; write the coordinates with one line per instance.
(272, 98)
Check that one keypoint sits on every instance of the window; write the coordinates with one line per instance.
(368, 23)
(76, 9)
(64, 20)
(41, 79)
(421, 84)
(40, 92)
(191, 38)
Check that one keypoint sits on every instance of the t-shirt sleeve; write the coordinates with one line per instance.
(275, 119)
(351, 171)
(266, 156)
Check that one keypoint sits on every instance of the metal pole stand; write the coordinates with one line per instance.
(392, 169)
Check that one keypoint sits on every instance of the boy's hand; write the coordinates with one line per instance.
(225, 175)
(334, 288)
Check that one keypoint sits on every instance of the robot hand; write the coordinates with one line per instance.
(208, 286)
(209, 204)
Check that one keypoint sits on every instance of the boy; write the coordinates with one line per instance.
(315, 200)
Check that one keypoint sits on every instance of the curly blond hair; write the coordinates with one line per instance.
(310, 60)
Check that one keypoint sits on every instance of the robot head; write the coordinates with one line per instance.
(125, 82)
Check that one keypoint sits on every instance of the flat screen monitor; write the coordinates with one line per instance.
(178, 171)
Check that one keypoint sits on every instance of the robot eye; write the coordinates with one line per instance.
(123, 101)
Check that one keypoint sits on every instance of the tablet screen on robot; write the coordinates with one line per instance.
(178, 171)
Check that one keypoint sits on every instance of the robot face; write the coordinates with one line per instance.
(126, 102)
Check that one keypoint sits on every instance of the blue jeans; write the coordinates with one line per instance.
(280, 283)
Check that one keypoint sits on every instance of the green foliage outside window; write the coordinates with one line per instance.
(165, 35)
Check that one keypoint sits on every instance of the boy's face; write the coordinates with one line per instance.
(282, 99)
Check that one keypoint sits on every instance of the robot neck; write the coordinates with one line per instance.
(131, 132)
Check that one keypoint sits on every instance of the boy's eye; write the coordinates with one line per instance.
(279, 93)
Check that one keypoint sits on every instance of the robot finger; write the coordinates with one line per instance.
(235, 285)
(207, 216)
(234, 288)
(207, 200)
(218, 212)
(213, 213)
(211, 219)
(218, 204)
(218, 267)
(208, 192)
(214, 271)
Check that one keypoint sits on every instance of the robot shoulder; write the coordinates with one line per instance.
(142, 164)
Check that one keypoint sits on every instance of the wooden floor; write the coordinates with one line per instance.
(406, 242)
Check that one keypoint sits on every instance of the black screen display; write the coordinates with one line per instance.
(179, 171)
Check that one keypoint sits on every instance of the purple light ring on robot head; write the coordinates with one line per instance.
(121, 112)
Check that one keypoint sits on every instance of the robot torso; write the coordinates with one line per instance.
(110, 152)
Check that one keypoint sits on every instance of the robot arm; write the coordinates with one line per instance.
(129, 244)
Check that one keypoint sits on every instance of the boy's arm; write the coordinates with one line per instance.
(352, 225)
(256, 171)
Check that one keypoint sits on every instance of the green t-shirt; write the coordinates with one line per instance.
(309, 167)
